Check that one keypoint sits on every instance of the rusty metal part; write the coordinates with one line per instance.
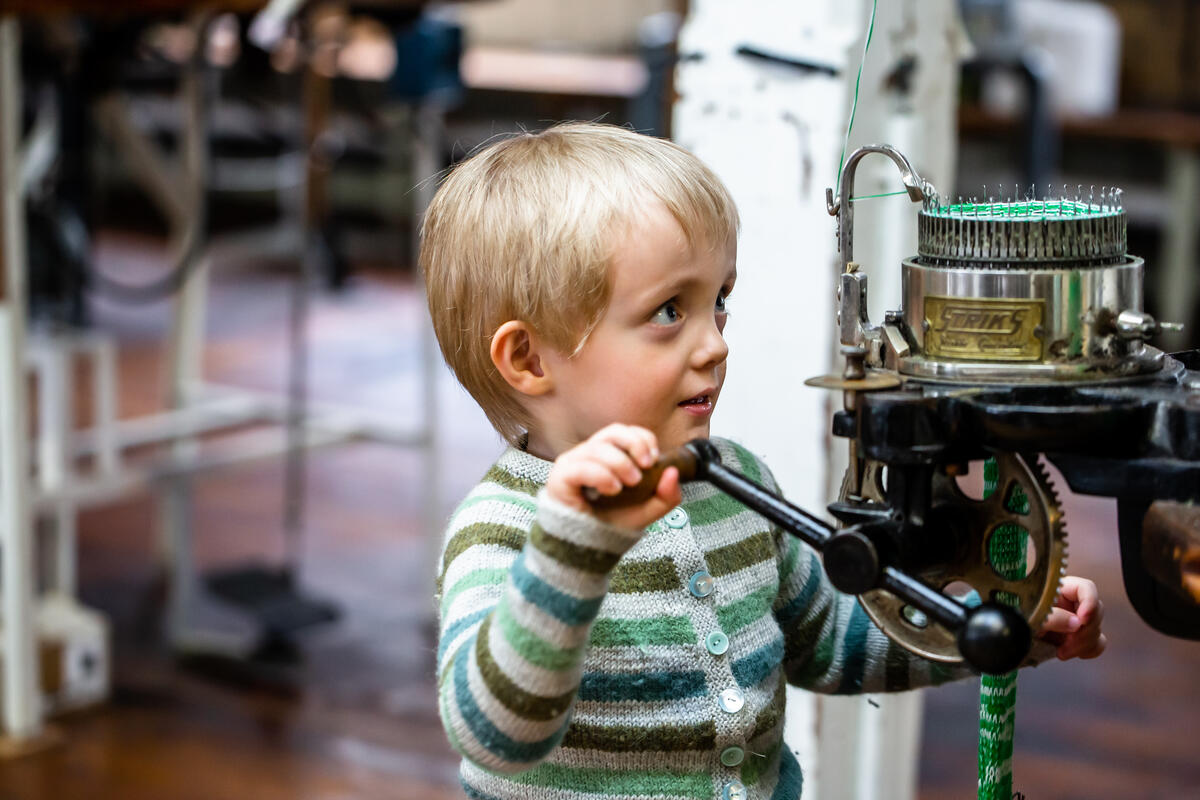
(1036, 592)
(682, 458)
(1171, 546)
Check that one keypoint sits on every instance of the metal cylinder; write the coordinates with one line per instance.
(1022, 291)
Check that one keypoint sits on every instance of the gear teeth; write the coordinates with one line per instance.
(1060, 531)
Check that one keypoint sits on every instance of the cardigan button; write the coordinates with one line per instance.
(734, 790)
(731, 700)
(717, 643)
(701, 584)
(732, 756)
(676, 518)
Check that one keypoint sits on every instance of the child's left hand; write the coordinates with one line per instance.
(1074, 624)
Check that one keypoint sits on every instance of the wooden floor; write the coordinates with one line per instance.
(360, 720)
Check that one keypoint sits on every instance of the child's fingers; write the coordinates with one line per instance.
(1061, 620)
(580, 472)
(1081, 596)
(639, 443)
(618, 461)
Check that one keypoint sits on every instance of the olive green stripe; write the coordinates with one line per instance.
(503, 477)
(750, 608)
(637, 738)
(479, 577)
(513, 697)
(739, 555)
(581, 557)
(770, 716)
(638, 632)
(482, 533)
(657, 575)
(636, 783)
(532, 647)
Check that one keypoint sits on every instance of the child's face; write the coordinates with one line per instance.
(657, 356)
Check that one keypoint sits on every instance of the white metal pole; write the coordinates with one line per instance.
(22, 708)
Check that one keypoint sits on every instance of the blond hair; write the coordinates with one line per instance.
(525, 229)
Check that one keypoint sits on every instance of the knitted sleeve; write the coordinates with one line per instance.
(521, 580)
(830, 644)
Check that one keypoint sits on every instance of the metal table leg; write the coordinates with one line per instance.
(22, 712)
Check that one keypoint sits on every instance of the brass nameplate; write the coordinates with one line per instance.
(983, 329)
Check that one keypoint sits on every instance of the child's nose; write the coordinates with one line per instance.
(713, 348)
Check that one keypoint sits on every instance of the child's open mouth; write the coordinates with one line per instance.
(701, 404)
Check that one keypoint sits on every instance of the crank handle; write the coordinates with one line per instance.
(992, 637)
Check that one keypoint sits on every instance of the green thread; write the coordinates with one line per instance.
(872, 196)
(857, 82)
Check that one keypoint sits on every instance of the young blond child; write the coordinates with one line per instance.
(578, 281)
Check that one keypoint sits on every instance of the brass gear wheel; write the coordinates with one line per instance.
(1036, 591)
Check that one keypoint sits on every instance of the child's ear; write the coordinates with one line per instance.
(516, 353)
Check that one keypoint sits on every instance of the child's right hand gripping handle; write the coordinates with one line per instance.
(685, 459)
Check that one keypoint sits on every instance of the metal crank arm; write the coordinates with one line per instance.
(992, 638)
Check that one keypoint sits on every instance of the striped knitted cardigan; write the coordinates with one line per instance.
(573, 662)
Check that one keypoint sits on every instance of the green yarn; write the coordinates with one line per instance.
(998, 693)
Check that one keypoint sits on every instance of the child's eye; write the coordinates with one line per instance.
(667, 314)
(722, 306)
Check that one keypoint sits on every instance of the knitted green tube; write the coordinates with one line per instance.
(998, 693)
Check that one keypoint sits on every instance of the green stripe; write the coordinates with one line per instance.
(644, 576)
(479, 577)
(498, 474)
(532, 647)
(587, 559)
(481, 533)
(506, 499)
(750, 608)
(748, 463)
(618, 782)
(511, 696)
(819, 658)
(756, 765)
(790, 559)
(637, 738)
(638, 632)
(739, 555)
(713, 509)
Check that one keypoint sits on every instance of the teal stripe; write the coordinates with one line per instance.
(639, 632)
(479, 577)
(752, 669)
(854, 662)
(458, 627)
(749, 609)
(614, 782)
(560, 605)
(487, 734)
(532, 647)
(801, 602)
(613, 686)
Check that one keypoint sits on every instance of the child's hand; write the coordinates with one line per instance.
(1074, 625)
(610, 460)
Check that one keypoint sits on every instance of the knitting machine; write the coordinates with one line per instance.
(1021, 333)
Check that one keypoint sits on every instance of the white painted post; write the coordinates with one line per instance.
(22, 712)
(774, 134)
